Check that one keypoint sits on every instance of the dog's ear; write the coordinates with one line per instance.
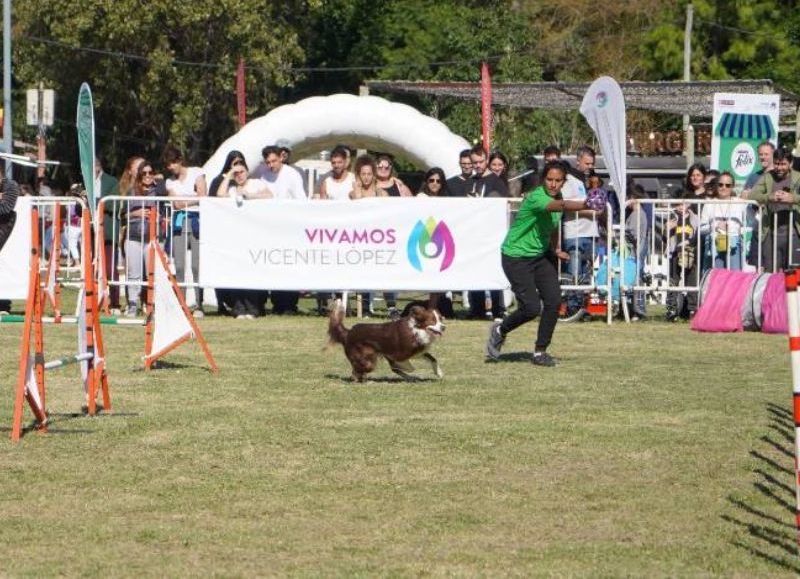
(418, 313)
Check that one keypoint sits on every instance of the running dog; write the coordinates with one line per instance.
(397, 341)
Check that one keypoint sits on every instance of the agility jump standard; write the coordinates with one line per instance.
(169, 321)
(793, 309)
(31, 375)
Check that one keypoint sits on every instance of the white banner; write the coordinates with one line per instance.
(604, 108)
(369, 244)
(15, 257)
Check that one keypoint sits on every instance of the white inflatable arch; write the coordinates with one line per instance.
(364, 122)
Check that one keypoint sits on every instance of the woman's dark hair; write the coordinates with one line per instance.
(233, 157)
(560, 165)
(364, 161)
(438, 172)
(636, 191)
(687, 184)
(502, 157)
(727, 174)
(531, 180)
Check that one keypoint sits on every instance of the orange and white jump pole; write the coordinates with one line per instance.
(793, 309)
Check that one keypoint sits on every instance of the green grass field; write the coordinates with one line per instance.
(650, 450)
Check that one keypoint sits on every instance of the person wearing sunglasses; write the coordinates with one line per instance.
(365, 187)
(721, 226)
(244, 304)
(386, 180)
(136, 219)
(434, 184)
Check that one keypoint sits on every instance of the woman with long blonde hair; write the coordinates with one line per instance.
(129, 174)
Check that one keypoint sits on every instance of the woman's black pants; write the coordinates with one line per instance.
(534, 281)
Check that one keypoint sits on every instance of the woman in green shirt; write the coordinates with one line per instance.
(529, 254)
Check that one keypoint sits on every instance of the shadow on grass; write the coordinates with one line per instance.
(54, 418)
(512, 357)
(31, 428)
(521, 357)
(764, 519)
(384, 379)
(167, 365)
(59, 416)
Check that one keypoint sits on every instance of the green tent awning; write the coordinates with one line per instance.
(745, 126)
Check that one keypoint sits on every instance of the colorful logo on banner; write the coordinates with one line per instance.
(602, 99)
(431, 240)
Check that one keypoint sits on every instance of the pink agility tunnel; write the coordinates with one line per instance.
(733, 301)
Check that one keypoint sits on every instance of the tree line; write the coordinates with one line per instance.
(164, 72)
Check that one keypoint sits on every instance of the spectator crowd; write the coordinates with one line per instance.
(696, 236)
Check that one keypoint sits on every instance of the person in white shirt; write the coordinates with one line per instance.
(286, 154)
(285, 183)
(185, 182)
(721, 226)
(339, 182)
(281, 179)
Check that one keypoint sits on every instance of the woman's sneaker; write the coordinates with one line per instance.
(495, 341)
(543, 359)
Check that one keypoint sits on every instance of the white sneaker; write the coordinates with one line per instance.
(116, 312)
(198, 314)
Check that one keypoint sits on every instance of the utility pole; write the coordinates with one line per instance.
(40, 104)
(688, 130)
(8, 141)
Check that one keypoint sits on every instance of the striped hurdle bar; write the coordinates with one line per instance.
(105, 320)
(67, 360)
(793, 309)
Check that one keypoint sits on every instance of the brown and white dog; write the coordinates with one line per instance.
(398, 341)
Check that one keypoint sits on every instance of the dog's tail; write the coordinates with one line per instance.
(337, 333)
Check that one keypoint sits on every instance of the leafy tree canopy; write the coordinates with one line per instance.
(164, 72)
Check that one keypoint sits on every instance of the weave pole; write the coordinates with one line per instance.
(793, 309)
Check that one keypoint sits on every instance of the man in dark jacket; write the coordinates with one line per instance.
(104, 186)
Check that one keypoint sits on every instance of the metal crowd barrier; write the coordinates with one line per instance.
(61, 234)
(686, 238)
(657, 251)
(120, 224)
